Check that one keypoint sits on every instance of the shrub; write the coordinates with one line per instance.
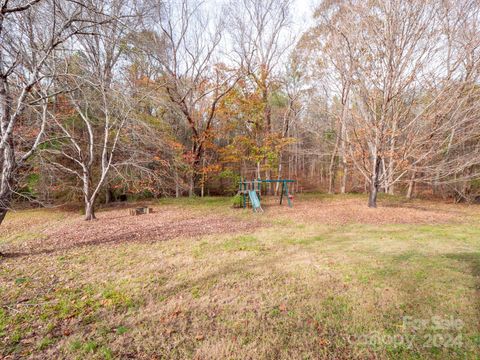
(237, 201)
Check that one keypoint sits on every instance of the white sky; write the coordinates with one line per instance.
(302, 12)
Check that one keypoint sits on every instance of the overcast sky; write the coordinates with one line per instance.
(302, 12)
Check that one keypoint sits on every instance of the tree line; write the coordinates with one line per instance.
(106, 99)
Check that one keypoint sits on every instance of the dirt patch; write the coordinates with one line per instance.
(346, 211)
(116, 226)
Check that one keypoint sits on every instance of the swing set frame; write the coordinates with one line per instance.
(256, 185)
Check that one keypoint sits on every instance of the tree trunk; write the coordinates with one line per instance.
(197, 150)
(3, 213)
(6, 183)
(372, 198)
(177, 187)
(88, 197)
(267, 177)
(8, 161)
(411, 186)
(332, 169)
(391, 189)
(191, 185)
(385, 182)
(203, 179)
(108, 195)
(89, 209)
(267, 111)
(391, 161)
(343, 188)
(343, 146)
(436, 183)
(279, 175)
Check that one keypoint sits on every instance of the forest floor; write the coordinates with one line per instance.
(329, 278)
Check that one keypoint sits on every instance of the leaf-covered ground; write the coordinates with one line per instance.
(329, 278)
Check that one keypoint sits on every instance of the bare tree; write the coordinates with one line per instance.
(31, 32)
(386, 47)
(331, 46)
(97, 99)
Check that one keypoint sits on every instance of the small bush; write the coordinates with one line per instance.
(237, 201)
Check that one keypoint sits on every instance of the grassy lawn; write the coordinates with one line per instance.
(326, 279)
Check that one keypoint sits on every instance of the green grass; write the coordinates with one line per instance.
(289, 290)
(205, 202)
(242, 243)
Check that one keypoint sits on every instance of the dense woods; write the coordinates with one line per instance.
(103, 100)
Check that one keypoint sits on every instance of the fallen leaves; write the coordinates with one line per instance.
(344, 211)
(115, 226)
